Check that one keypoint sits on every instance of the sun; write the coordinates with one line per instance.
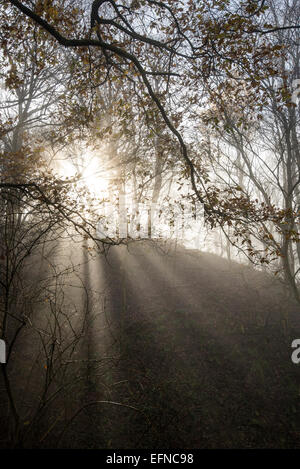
(94, 179)
(90, 174)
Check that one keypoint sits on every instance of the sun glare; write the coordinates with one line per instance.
(91, 176)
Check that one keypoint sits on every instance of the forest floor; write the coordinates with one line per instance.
(188, 351)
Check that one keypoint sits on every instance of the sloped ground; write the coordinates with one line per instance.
(188, 351)
(205, 355)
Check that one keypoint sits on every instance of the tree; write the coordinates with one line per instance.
(267, 148)
(196, 41)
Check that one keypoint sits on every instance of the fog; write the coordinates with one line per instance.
(149, 227)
